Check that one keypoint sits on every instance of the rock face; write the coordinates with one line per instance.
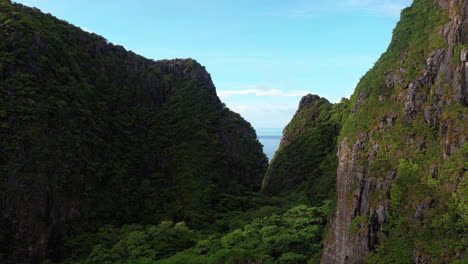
(306, 158)
(403, 149)
(93, 134)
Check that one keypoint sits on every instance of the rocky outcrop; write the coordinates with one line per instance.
(418, 130)
(92, 134)
(306, 115)
(305, 159)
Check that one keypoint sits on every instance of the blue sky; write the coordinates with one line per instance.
(263, 55)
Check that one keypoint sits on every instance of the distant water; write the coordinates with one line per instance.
(270, 139)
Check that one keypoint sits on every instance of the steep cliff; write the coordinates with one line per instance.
(92, 134)
(402, 171)
(306, 160)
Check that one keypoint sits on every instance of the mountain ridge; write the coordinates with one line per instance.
(110, 157)
(93, 134)
(401, 167)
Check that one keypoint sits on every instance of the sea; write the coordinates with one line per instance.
(270, 139)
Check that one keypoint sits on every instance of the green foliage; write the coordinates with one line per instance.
(359, 223)
(427, 212)
(396, 197)
(85, 122)
(294, 236)
(306, 161)
(134, 141)
(292, 258)
(457, 53)
(131, 242)
(415, 36)
(393, 251)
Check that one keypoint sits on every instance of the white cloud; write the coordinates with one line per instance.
(339, 100)
(274, 115)
(87, 30)
(264, 108)
(260, 91)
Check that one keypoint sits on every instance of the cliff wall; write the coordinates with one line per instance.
(402, 170)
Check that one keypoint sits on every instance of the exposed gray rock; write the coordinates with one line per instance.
(362, 96)
(443, 81)
(381, 214)
(420, 211)
(343, 244)
(420, 258)
(464, 55)
(395, 78)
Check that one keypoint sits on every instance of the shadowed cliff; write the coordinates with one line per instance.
(93, 134)
(306, 160)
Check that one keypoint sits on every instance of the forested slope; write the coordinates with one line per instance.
(108, 157)
(306, 160)
(403, 152)
(92, 134)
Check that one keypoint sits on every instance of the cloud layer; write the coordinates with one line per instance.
(260, 91)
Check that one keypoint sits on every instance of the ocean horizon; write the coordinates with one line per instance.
(270, 139)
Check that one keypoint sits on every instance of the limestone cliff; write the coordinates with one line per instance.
(306, 159)
(402, 171)
(92, 134)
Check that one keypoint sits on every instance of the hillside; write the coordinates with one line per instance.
(403, 152)
(306, 160)
(92, 134)
(107, 157)
(401, 148)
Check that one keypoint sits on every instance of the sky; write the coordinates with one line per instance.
(263, 55)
